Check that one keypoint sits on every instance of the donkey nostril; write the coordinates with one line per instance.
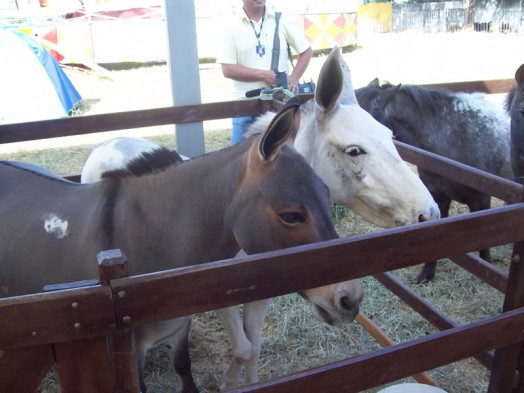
(346, 304)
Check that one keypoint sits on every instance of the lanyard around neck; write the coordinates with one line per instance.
(254, 29)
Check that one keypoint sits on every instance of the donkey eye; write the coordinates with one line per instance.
(292, 218)
(354, 151)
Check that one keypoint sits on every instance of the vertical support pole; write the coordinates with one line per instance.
(83, 366)
(506, 359)
(184, 71)
(33, 363)
(112, 264)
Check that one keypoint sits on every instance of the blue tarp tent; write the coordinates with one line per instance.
(34, 87)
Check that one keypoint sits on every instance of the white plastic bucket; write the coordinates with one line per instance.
(412, 388)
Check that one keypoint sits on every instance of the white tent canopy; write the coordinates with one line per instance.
(27, 92)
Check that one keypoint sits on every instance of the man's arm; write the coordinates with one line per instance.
(302, 62)
(246, 74)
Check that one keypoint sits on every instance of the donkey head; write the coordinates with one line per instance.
(355, 156)
(281, 199)
(282, 203)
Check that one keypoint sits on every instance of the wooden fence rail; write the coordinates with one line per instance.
(90, 334)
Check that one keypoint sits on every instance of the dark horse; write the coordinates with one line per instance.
(260, 195)
(514, 104)
(464, 127)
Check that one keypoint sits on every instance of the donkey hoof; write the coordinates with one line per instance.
(426, 273)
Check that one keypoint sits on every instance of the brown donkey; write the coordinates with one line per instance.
(168, 213)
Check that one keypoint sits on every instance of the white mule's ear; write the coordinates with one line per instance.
(334, 84)
(278, 132)
(347, 97)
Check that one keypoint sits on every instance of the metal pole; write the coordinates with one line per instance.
(184, 71)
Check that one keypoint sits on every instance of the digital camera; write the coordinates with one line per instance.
(306, 88)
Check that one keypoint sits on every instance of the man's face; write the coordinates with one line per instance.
(252, 4)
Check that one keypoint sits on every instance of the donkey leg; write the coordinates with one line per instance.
(482, 202)
(173, 332)
(141, 349)
(240, 345)
(428, 270)
(179, 354)
(254, 315)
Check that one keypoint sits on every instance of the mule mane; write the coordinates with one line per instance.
(509, 99)
(426, 99)
(147, 163)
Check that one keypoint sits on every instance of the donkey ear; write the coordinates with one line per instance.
(277, 133)
(387, 95)
(334, 83)
(374, 83)
(519, 75)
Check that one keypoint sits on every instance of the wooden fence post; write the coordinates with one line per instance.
(506, 361)
(83, 365)
(87, 365)
(23, 369)
(112, 265)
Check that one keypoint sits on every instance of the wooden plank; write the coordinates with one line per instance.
(224, 283)
(487, 272)
(75, 178)
(22, 369)
(416, 302)
(400, 361)
(179, 115)
(496, 86)
(83, 365)
(133, 119)
(425, 309)
(55, 317)
(496, 186)
(383, 339)
(123, 360)
(506, 359)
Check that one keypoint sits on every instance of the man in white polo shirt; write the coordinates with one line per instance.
(246, 54)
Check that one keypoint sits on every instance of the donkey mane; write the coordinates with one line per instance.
(147, 163)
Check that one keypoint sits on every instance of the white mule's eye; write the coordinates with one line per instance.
(354, 151)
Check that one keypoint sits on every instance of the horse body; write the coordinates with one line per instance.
(121, 153)
(514, 104)
(463, 127)
(199, 211)
(114, 153)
